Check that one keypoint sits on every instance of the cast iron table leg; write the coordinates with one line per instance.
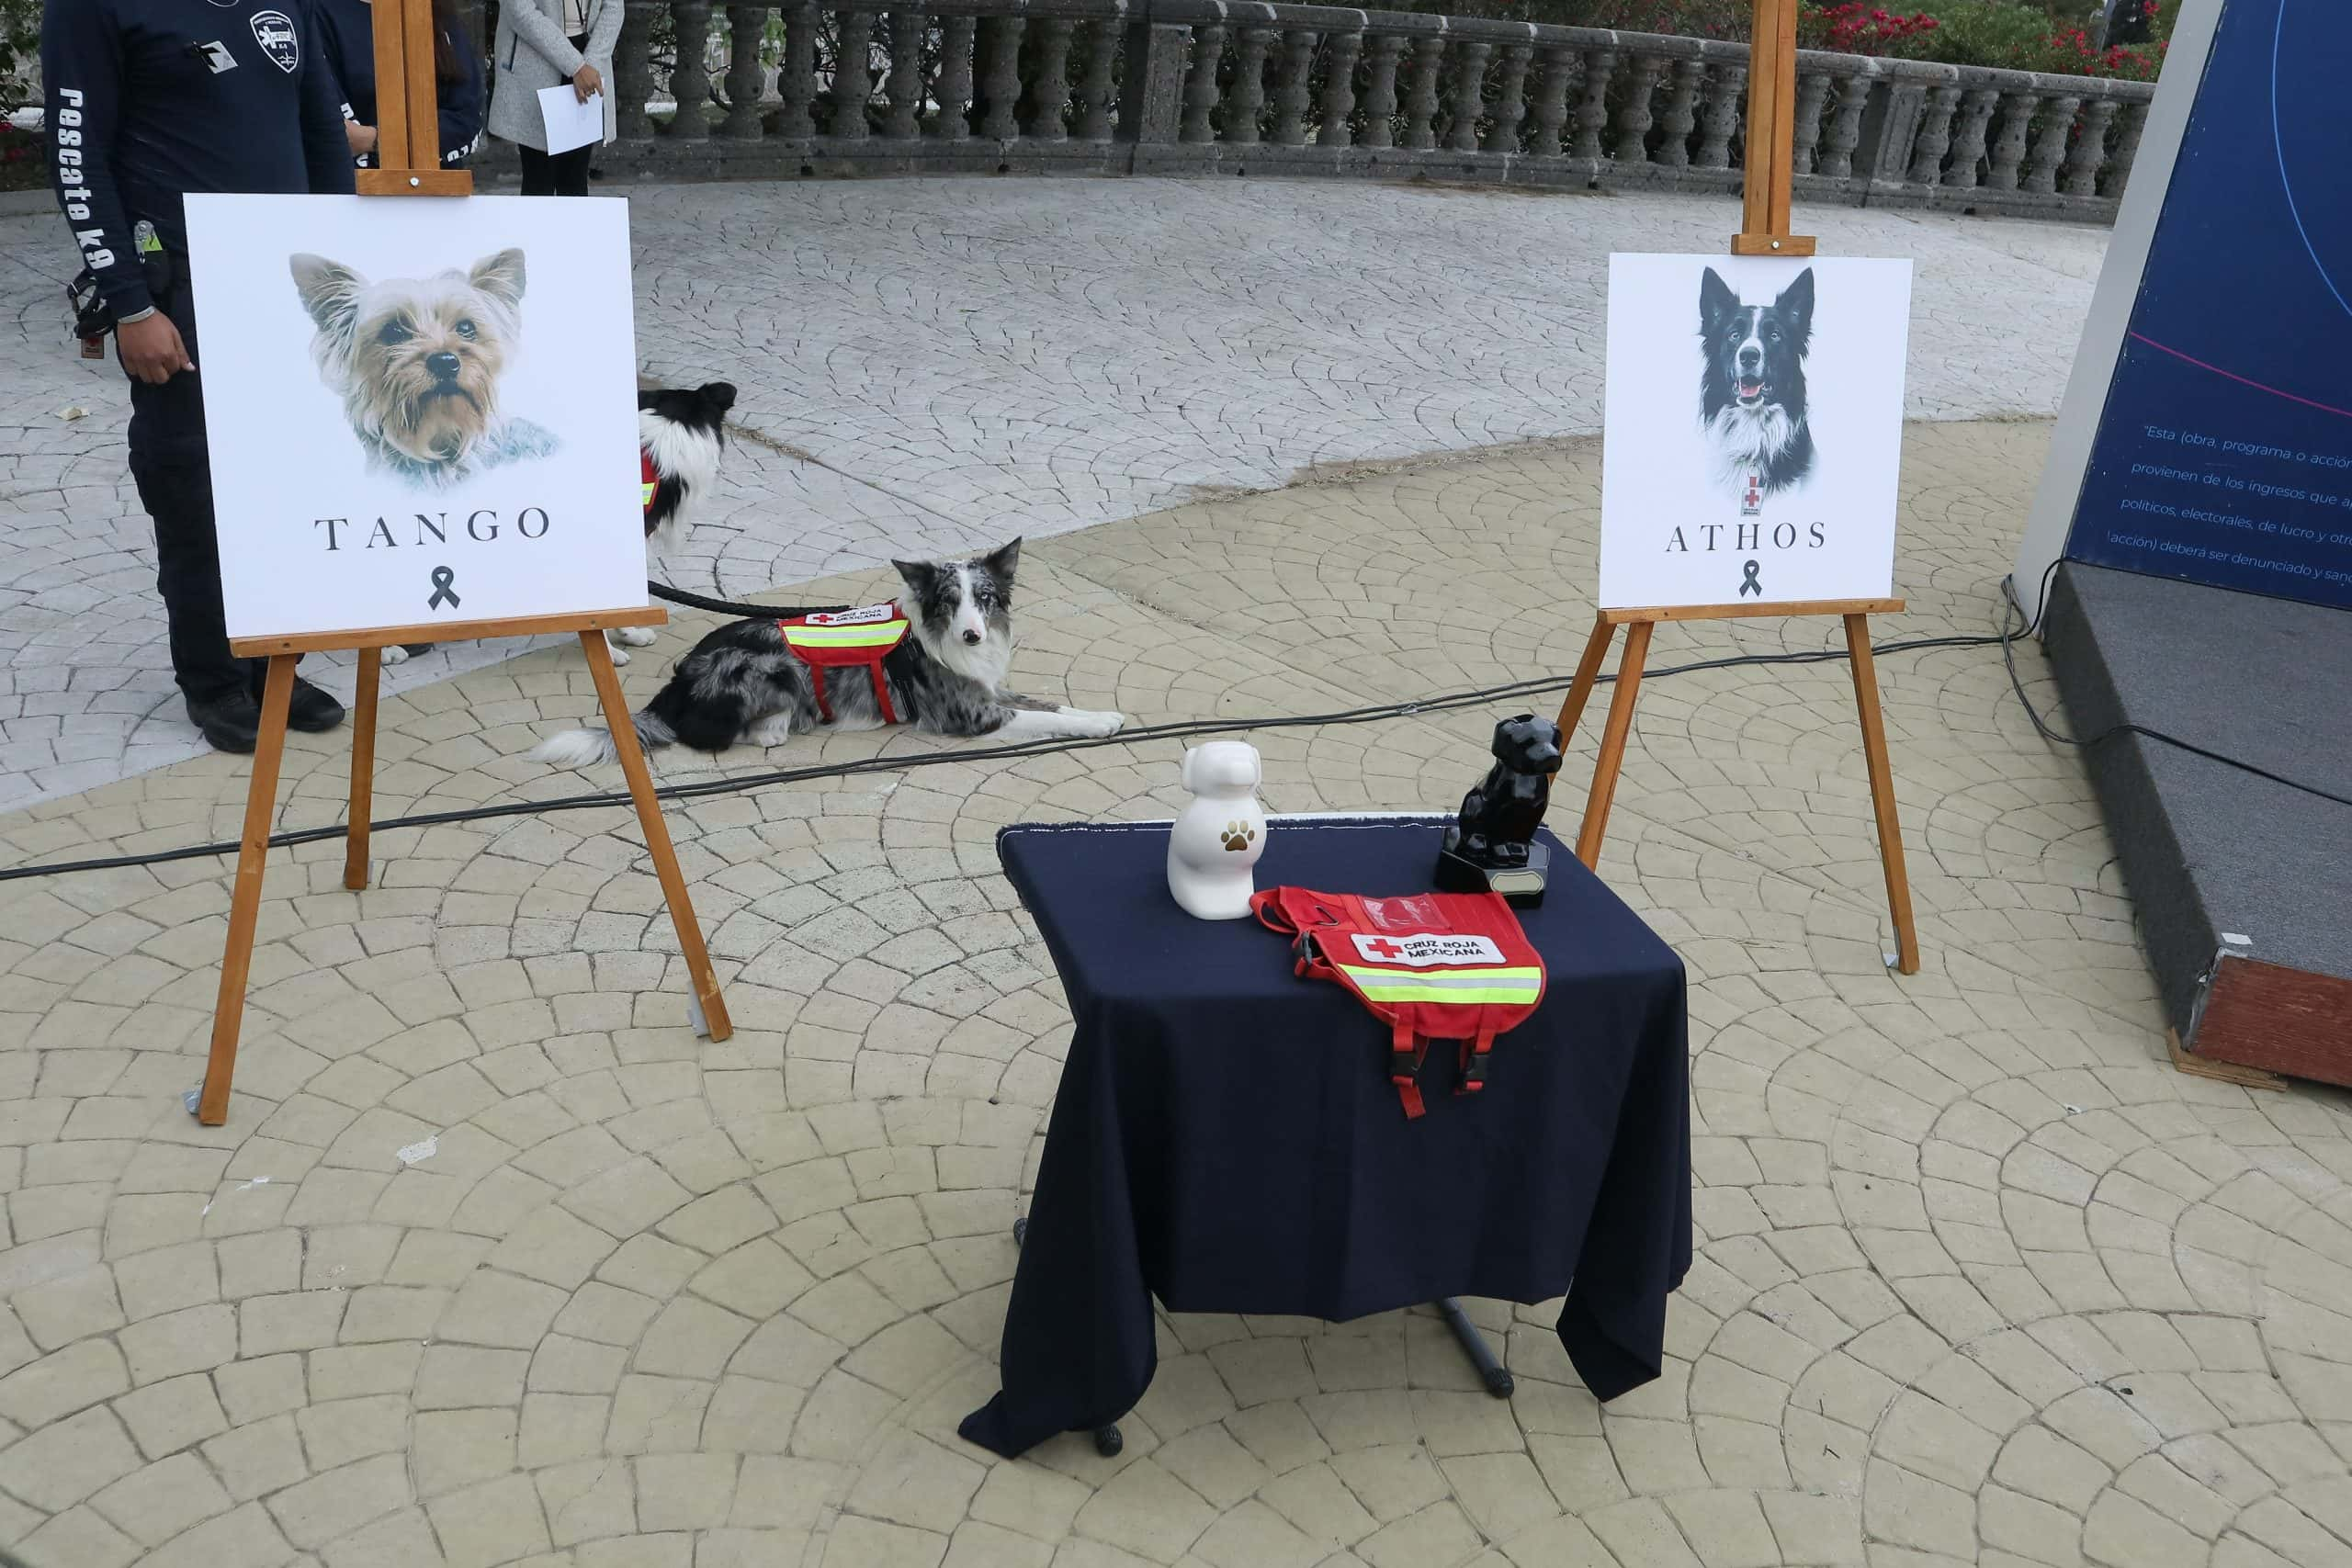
(1107, 1441)
(1474, 1345)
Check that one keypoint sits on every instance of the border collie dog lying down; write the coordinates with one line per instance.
(936, 659)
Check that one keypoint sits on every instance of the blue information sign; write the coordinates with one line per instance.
(2224, 454)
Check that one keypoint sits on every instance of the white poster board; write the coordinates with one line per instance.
(1753, 429)
(418, 411)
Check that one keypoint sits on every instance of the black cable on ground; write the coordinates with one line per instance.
(1187, 729)
(2018, 624)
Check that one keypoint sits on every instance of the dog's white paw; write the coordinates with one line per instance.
(620, 654)
(1094, 724)
(395, 654)
(635, 637)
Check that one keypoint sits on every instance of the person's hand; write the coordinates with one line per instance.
(587, 83)
(152, 349)
(361, 137)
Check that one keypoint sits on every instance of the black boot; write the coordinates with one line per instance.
(308, 710)
(231, 721)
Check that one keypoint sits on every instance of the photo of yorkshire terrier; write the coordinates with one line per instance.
(416, 362)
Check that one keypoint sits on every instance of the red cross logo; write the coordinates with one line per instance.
(1751, 502)
(1384, 948)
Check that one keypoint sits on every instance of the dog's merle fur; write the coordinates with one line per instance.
(743, 683)
(1751, 391)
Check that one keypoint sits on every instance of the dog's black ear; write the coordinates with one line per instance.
(920, 578)
(330, 291)
(1717, 302)
(719, 395)
(1796, 303)
(500, 276)
(1002, 563)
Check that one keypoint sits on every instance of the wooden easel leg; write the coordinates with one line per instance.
(245, 901)
(709, 1005)
(1890, 831)
(363, 770)
(1612, 744)
(1596, 648)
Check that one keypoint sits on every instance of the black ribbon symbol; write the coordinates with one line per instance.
(1748, 584)
(443, 577)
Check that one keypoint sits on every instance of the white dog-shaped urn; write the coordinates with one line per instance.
(1215, 844)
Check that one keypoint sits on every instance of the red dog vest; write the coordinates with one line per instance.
(1431, 965)
(846, 637)
(648, 482)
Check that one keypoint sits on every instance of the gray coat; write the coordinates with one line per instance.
(531, 53)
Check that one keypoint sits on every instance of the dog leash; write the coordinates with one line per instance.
(747, 611)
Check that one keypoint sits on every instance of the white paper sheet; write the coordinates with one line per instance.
(570, 123)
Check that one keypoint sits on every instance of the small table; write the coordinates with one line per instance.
(1226, 1137)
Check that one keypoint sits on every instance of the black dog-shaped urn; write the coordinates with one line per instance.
(1491, 846)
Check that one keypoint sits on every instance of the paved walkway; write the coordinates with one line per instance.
(495, 1264)
(929, 365)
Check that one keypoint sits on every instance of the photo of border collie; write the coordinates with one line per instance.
(936, 659)
(1751, 387)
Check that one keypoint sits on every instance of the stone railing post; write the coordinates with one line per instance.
(1380, 92)
(2008, 146)
(958, 37)
(1049, 93)
(690, 78)
(904, 85)
(1469, 93)
(1682, 116)
(1552, 99)
(1420, 95)
(1151, 89)
(2050, 143)
(795, 80)
(1247, 98)
(1846, 129)
(633, 71)
(1511, 98)
(845, 120)
(1934, 137)
(2127, 149)
(1094, 88)
(1813, 96)
(1290, 90)
(1976, 107)
(1725, 85)
(1340, 89)
(2083, 162)
(1889, 124)
(1002, 86)
(1593, 108)
(745, 80)
(1200, 89)
(1634, 117)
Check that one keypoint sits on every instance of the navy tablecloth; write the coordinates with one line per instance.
(1226, 1137)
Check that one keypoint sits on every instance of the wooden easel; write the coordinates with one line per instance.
(408, 152)
(1764, 232)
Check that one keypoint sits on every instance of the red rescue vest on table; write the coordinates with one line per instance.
(841, 639)
(1431, 965)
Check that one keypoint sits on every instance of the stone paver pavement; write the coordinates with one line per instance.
(1979, 1281)
(931, 364)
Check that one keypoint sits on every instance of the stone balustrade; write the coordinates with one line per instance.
(1215, 88)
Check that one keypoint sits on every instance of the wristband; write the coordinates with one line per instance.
(136, 316)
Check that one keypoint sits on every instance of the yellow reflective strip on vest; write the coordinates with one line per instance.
(882, 634)
(646, 495)
(1457, 985)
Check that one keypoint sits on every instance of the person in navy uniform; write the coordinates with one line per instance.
(348, 43)
(147, 101)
